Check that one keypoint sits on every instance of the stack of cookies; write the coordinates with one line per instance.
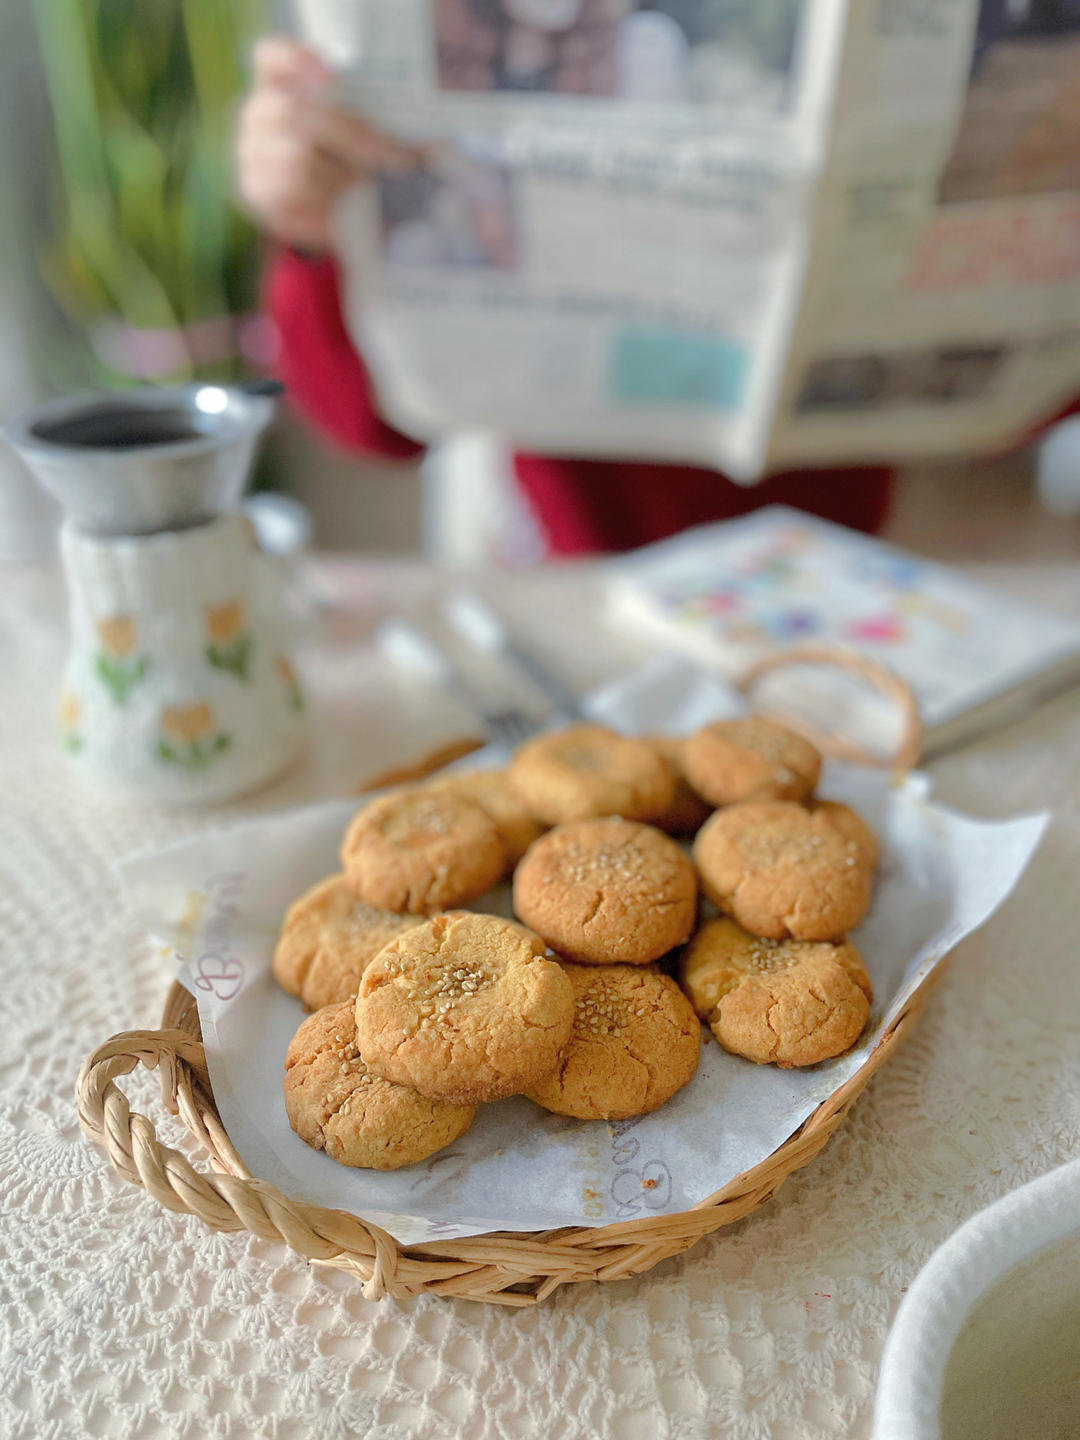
(424, 1010)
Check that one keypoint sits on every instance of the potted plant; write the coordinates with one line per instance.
(148, 256)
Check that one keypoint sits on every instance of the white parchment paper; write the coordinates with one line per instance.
(218, 903)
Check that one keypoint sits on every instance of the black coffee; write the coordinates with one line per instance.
(122, 427)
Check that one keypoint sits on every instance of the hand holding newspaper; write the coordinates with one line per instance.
(717, 231)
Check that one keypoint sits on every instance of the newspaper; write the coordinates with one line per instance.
(726, 232)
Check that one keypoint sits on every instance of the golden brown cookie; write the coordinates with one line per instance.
(327, 938)
(853, 828)
(785, 1002)
(688, 811)
(636, 1040)
(587, 771)
(422, 850)
(780, 870)
(493, 792)
(530, 936)
(607, 891)
(465, 1009)
(335, 1104)
(750, 759)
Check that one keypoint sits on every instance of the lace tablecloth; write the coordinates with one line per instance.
(120, 1319)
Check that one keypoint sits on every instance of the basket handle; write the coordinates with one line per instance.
(224, 1201)
(877, 675)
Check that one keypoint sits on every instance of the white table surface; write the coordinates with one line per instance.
(119, 1319)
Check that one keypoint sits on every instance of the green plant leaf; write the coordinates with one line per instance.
(143, 94)
(66, 51)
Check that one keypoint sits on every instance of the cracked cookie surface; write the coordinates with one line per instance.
(334, 1103)
(781, 871)
(750, 759)
(635, 1042)
(518, 827)
(465, 1008)
(605, 892)
(586, 771)
(327, 939)
(422, 850)
(783, 1002)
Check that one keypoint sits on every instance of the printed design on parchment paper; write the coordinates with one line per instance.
(640, 1182)
(215, 969)
(616, 1176)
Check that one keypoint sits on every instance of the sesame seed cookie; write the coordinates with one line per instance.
(334, 1103)
(422, 850)
(327, 938)
(688, 811)
(585, 771)
(607, 891)
(493, 792)
(780, 870)
(636, 1040)
(784, 1002)
(464, 1009)
(750, 759)
(852, 827)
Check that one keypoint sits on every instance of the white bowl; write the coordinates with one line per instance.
(986, 1345)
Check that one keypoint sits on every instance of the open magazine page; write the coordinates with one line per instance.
(943, 300)
(606, 252)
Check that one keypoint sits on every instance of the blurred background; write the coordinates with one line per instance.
(122, 255)
(124, 259)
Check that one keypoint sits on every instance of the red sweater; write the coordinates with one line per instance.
(581, 505)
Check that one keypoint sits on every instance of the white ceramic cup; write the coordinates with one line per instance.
(987, 1342)
(179, 686)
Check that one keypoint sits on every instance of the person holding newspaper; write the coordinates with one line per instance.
(296, 154)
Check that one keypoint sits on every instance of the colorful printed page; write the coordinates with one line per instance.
(778, 578)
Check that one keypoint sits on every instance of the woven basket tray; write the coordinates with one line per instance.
(509, 1268)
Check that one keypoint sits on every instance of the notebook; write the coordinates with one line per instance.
(732, 592)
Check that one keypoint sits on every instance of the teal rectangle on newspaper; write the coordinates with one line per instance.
(673, 368)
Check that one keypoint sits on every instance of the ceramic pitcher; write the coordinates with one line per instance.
(179, 686)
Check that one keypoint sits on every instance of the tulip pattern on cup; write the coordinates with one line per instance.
(178, 689)
(288, 677)
(229, 642)
(117, 665)
(70, 713)
(189, 737)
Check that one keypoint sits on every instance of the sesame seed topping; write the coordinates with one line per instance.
(769, 957)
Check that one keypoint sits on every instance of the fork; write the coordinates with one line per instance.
(408, 647)
(485, 630)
